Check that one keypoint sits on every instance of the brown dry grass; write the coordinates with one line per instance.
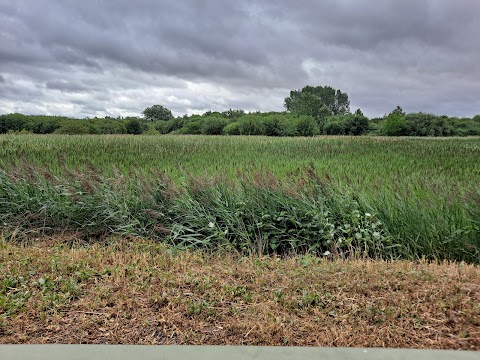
(138, 292)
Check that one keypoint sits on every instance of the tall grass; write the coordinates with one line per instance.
(340, 196)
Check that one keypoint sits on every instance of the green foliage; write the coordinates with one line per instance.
(109, 126)
(232, 129)
(357, 124)
(213, 126)
(73, 128)
(353, 124)
(134, 127)
(395, 125)
(233, 114)
(249, 125)
(157, 113)
(318, 102)
(236, 122)
(398, 111)
(305, 126)
(398, 123)
(39, 124)
(274, 126)
(165, 127)
(334, 126)
(269, 124)
(420, 124)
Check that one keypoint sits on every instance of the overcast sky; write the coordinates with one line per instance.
(86, 58)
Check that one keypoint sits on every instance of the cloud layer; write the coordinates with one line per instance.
(97, 58)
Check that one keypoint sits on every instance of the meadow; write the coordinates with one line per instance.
(342, 197)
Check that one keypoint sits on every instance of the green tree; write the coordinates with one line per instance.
(395, 125)
(157, 113)
(399, 111)
(233, 114)
(319, 102)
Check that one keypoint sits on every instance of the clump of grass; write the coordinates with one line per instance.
(306, 213)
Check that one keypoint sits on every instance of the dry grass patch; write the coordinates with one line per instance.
(138, 292)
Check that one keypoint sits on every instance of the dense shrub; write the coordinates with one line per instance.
(213, 126)
(236, 122)
(419, 124)
(305, 126)
(41, 124)
(73, 128)
(334, 127)
(165, 127)
(191, 127)
(250, 125)
(232, 129)
(134, 127)
(395, 125)
(273, 126)
(353, 124)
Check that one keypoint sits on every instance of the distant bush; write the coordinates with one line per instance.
(213, 126)
(237, 122)
(395, 125)
(274, 126)
(134, 127)
(334, 127)
(232, 129)
(352, 124)
(191, 127)
(73, 128)
(250, 125)
(165, 127)
(306, 126)
(422, 124)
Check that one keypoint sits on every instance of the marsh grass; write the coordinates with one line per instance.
(250, 194)
(257, 213)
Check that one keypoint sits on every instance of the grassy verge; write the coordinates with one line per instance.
(258, 213)
(140, 292)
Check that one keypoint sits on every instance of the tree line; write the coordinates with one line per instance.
(308, 112)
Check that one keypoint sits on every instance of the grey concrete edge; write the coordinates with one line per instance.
(124, 352)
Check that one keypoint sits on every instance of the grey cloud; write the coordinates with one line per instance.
(194, 55)
(66, 86)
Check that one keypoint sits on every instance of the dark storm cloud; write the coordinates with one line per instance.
(191, 56)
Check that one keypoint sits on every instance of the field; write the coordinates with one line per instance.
(327, 241)
(340, 196)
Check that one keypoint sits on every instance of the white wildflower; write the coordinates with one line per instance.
(211, 224)
(326, 253)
